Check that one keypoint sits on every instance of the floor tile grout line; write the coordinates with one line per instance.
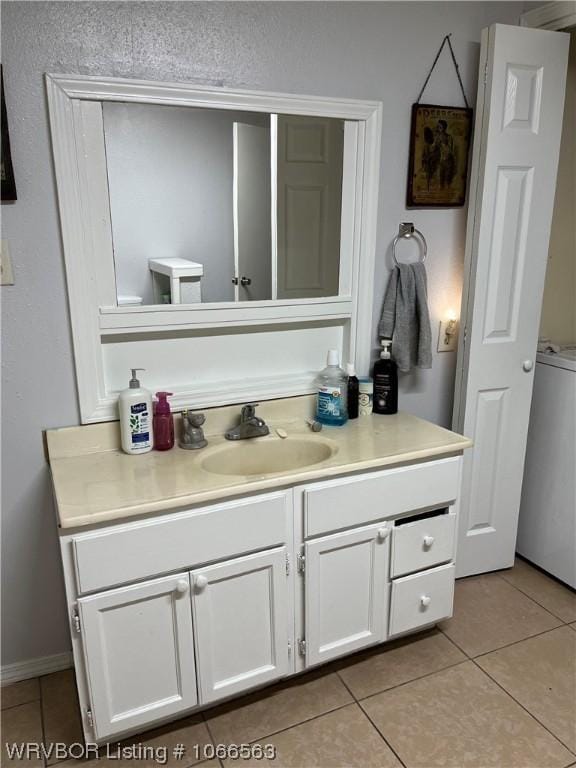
(206, 723)
(544, 607)
(302, 722)
(367, 716)
(20, 704)
(522, 592)
(508, 645)
(407, 682)
(532, 715)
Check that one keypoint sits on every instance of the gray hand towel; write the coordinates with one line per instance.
(405, 317)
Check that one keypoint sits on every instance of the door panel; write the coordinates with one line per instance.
(241, 620)
(139, 652)
(346, 591)
(518, 127)
(252, 226)
(309, 201)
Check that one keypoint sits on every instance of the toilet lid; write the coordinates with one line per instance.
(127, 300)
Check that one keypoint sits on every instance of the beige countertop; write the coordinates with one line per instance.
(95, 482)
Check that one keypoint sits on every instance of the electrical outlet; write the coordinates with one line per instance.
(448, 335)
(6, 273)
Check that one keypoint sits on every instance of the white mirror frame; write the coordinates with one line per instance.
(75, 107)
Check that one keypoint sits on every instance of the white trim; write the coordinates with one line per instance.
(24, 670)
(274, 203)
(235, 223)
(95, 88)
(210, 394)
(77, 133)
(554, 16)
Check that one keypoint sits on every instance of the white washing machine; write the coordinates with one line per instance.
(547, 523)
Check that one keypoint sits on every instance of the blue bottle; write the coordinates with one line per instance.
(332, 383)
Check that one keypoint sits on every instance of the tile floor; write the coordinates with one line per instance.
(493, 686)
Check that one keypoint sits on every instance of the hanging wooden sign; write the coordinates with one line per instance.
(439, 147)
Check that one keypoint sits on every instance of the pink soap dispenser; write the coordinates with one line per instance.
(163, 423)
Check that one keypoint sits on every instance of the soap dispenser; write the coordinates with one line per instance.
(135, 407)
(385, 398)
(163, 423)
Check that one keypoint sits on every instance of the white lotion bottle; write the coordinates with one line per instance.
(135, 407)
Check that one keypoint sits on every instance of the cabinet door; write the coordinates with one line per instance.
(346, 591)
(241, 623)
(139, 652)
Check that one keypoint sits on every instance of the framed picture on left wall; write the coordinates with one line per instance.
(6, 170)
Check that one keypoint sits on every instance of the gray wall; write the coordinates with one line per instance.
(170, 174)
(372, 50)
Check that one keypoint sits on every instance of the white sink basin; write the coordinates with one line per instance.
(267, 456)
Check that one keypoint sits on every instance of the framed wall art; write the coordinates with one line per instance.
(438, 162)
(8, 192)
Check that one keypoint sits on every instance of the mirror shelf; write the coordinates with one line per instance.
(278, 342)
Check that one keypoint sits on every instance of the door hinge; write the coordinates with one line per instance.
(485, 73)
(90, 718)
(287, 564)
(302, 646)
(289, 648)
(301, 563)
(76, 626)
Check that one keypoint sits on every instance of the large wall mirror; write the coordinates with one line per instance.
(221, 239)
(212, 205)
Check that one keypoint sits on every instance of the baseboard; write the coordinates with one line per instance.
(23, 670)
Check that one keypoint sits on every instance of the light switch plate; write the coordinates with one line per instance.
(6, 273)
(448, 335)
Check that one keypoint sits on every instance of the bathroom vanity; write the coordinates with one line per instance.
(194, 576)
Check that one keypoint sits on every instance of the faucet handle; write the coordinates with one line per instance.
(248, 410)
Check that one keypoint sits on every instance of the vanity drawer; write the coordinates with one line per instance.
(351, 501)
(422, 543)
(180, 540)
(421, 599)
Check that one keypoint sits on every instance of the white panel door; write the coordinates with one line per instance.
(252, 227)
(241, 616)
(346, 591)
(139, 653)
(518, 126)
(309, 201)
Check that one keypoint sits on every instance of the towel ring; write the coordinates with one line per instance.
(408, 230)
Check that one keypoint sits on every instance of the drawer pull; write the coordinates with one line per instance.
(383, 533)
(425, 601)
(200, 582)
(428, 541)
(182, 586)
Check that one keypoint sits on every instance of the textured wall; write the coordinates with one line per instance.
(373, 50)
(558, 321)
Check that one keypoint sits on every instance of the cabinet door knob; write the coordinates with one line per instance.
(428, 541)
(383, 534)
(425, 601)
(527, 365)
(181, 586)
(200, 582)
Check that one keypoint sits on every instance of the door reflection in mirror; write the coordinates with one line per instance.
(215, 205)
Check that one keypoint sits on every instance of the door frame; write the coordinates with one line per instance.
(556, 17)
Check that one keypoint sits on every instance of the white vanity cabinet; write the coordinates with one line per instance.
(175, 611)
(139, 653)
(346, 591)
(241, 618)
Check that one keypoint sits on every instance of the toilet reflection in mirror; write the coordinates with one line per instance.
(215, 205)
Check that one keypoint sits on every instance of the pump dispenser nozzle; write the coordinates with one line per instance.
(134, 382)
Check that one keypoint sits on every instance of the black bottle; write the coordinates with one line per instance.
(385, 382)
(353, 391)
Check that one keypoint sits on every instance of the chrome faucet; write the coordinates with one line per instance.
(250, 425)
